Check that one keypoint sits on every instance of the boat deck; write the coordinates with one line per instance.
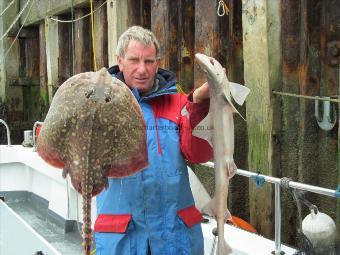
(66, 243)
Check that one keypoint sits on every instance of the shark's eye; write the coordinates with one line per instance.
(211, 61)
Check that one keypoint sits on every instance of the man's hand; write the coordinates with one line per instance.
(201, 93)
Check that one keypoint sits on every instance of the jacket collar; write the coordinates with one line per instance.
(166, 83)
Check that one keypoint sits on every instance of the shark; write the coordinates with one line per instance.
(218, 129)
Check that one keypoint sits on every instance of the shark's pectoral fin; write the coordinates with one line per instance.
(204, 130)
(227, 216)
(238, 92)
(210, 208)
(230, 167)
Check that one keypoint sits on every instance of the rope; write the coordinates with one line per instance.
(222, 8)
(15, 20)
(80, 18)
(284, 183)
(10, 4)
(306, 97)
(92, 32)
(16, 37)
(304, 244)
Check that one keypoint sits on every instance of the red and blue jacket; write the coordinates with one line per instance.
(155, 208)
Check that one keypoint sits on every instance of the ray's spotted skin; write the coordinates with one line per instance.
(94, 130)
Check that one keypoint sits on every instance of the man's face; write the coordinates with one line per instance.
(139, 65)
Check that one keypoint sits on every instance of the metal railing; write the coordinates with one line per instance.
(277, 182)
(7, 131)
(36, 124)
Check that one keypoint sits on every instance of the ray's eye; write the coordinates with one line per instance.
(107, 95)
(89, 93)
(107, 99)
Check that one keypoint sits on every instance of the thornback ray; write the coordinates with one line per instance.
(94, 129)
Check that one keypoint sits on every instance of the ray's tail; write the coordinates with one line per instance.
(87, 231)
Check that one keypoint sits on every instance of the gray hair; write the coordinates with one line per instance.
(139, 34)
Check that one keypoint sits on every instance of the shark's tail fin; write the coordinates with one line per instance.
(223, 248)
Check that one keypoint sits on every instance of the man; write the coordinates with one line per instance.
(153, 211)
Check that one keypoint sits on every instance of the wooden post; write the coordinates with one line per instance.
(44, 103)
(100, 35)
(52, 55)
(206, 34)
(173, 23)
(3, 44)
(329, 85)
(186, 47)
(83, 45)
(9, 66)
(259, 69)
(117, 21)
(164, 24)
(65, 69)
(338, 168)
(139, 13)
(292, 135)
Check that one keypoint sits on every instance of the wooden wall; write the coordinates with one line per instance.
(286, 45)
(308, 153)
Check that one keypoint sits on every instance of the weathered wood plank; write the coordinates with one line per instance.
(29, 74)
(8, 66)
(83, 61)
(65, 63)
(329, 85)
(164, 24)
(338, 169)
(186, 46)
(145, 8)
(42, 9)
(117, 20)
(173, 24)
(139, 13)
(293, 62)
(206, 34)
(100, 35)
(43, 73)
(256, 46)
(232, 44)
(52, 56)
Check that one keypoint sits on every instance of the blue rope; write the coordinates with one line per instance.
(259, 180)
(337, 192)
